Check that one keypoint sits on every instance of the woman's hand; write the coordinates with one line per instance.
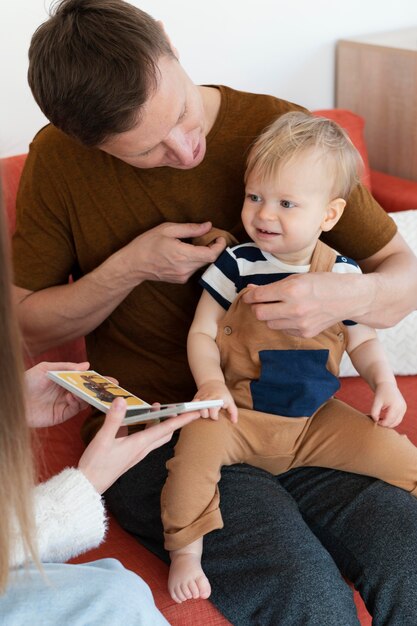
(47, 403)
(108, 457)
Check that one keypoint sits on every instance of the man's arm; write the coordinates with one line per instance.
(306, 304)
(56, 314)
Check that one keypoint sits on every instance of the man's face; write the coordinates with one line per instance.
(172, 127)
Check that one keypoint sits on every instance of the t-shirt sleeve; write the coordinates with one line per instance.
(43, 248)
(364, 228)
(221, 279)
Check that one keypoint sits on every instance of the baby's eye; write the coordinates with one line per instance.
(253, 197)
(287, 204)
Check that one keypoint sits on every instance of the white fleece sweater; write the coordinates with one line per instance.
(70, 518)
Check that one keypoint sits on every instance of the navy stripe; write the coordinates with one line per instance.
(228, 266)
(345, 259)
(249, 253)
(215, 294)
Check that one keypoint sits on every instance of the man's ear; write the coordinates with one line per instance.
(333, 213)
(173, 48)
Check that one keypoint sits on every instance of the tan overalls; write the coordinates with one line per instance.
(334, 436)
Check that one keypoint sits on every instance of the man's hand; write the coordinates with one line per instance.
(60, 313)
(108, 456)
(47, 403)
(306, 304)
(161, 255)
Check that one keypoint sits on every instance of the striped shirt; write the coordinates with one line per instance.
(246, 264)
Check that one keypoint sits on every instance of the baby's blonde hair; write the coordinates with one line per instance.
(294, 132)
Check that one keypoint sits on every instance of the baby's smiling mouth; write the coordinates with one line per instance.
(262, 231)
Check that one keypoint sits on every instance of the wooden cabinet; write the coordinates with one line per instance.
(376, 77)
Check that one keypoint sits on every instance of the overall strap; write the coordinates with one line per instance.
(323, 258)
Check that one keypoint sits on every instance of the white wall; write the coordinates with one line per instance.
(282, 47)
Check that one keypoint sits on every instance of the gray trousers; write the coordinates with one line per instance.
(278, 560)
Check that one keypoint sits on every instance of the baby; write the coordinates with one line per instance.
(279, 409)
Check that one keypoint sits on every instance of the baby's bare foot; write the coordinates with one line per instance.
(186, 579)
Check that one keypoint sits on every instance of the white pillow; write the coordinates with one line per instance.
(399, 342)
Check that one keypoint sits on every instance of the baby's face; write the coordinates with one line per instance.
(284, 213)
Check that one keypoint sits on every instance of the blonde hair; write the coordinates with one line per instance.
(16, 467)
(294, 132)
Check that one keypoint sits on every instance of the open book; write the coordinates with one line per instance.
(100, 392)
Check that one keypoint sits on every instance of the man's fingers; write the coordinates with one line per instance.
(263, 293)
(219, 241)
(201, 254)
(218, 245)
(186, 231)
(274, 311)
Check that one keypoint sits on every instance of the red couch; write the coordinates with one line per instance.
(61, 446)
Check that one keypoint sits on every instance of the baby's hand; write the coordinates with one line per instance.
(214, 390)
(389, 405)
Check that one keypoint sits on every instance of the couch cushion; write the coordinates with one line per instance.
(400, 341)
(393, 193)
(354, 125)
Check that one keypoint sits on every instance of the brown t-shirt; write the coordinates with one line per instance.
(76, 206)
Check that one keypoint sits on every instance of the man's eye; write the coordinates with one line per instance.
(286, 204)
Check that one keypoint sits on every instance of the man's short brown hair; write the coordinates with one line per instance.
(93, 64)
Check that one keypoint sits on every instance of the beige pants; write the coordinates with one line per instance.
(337, 436)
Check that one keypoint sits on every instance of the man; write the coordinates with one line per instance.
(144, 161)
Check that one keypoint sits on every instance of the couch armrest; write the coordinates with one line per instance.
(393, 193)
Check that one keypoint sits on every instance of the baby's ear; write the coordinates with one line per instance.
(333, 213)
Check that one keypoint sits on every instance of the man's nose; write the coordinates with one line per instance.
(180, 146)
